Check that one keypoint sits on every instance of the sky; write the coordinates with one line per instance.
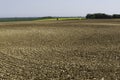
(39, 8)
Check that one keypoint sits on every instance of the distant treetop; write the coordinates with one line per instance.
(102, 16)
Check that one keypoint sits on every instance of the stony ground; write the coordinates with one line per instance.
(60, 50)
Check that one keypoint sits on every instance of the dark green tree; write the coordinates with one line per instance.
(116, 16)
(98, 16)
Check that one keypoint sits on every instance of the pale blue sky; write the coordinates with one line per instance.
(36, 8)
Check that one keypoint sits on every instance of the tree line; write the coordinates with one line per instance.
(102, 16)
